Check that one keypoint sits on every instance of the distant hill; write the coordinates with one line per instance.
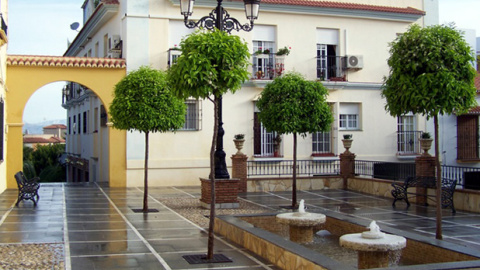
(37, 128)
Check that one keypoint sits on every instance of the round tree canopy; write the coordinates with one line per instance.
(430, 73)
(291, 104)
(211, 63)
(142, 101)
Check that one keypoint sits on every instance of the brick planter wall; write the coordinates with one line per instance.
(226, 193)
(239, 170)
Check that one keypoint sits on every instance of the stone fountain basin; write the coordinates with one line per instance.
(388, 242)
(301, 219)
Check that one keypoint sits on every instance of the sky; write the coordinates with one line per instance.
(42, 27)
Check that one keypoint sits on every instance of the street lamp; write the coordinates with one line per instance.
(220, 19)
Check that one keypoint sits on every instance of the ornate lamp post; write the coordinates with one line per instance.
(220, 19)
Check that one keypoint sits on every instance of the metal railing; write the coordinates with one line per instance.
(384, 170)
(465, 176)
(285, 167)
(408, 142)
(331, 68)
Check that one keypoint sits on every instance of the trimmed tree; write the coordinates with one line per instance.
(212, 63)
(291, 104)
(430, 74)
(142, 101)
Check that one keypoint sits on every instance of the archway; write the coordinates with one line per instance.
(26, 74)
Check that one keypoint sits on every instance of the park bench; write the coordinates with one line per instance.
(27, 188)
(401, 191)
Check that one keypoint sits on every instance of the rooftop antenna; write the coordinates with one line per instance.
(74, 26)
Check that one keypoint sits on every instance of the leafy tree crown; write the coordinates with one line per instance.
(143, 101)
(211, 63)
(430, 73)
(292, 104)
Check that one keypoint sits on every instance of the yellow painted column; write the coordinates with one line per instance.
(117, 156)
(15, 152)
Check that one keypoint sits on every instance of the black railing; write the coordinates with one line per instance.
(466, 177)
(285, 167)
(408, 142)
(4, 25)
(331, 68)
(384, 170)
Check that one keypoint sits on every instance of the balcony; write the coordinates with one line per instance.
(331, 68)
(408, 143)
(267, 66)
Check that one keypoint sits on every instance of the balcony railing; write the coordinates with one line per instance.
(331, 68)
(267, 66)
(408, 142)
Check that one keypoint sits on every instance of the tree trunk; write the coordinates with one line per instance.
(439, 181)
(145, 177)
(294, 177)
(211, 223)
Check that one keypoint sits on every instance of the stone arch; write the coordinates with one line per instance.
(26, 74)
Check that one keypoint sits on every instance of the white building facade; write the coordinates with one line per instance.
(342, 43)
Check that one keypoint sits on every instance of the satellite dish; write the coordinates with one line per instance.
(74, 26)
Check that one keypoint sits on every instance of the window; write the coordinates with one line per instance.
(69, 125)
(193, 115)
(105, 45)
(79, 124)
(407, 135)
(349, 116)
(467, 137)
(173, 55)
(74, 124)
(263, 64)
(322, 144)
(265, 144)
(329, 64)
(84, 122)
(263, 41)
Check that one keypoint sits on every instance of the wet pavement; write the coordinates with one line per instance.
(100, 230)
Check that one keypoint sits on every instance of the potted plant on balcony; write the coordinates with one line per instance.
(347, 141)
(259, 74)
(426, 142)
(283, 51)
(239, 139)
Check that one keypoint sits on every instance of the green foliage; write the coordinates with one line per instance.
(142, 101)
(291, 104)
(41, 159)
(212, 63)
(430, 73)
(52, 173)
(29, 169)
(27, 153)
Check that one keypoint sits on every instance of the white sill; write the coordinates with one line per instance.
(268, 158)
(332, 158)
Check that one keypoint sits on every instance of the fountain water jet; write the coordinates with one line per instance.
(373, 246)
(301, 223)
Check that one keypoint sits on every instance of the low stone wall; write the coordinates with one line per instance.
(273, 184)
(466, 200)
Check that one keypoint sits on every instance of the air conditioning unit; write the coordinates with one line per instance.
(354, 61)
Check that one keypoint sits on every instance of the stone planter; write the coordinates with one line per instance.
(347, 143)
(226, 193)
(426, 144)
(239, 146)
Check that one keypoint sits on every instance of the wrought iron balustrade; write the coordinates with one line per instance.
(331, 68)
(285, 167)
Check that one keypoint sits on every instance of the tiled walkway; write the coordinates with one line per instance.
(100, 230)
